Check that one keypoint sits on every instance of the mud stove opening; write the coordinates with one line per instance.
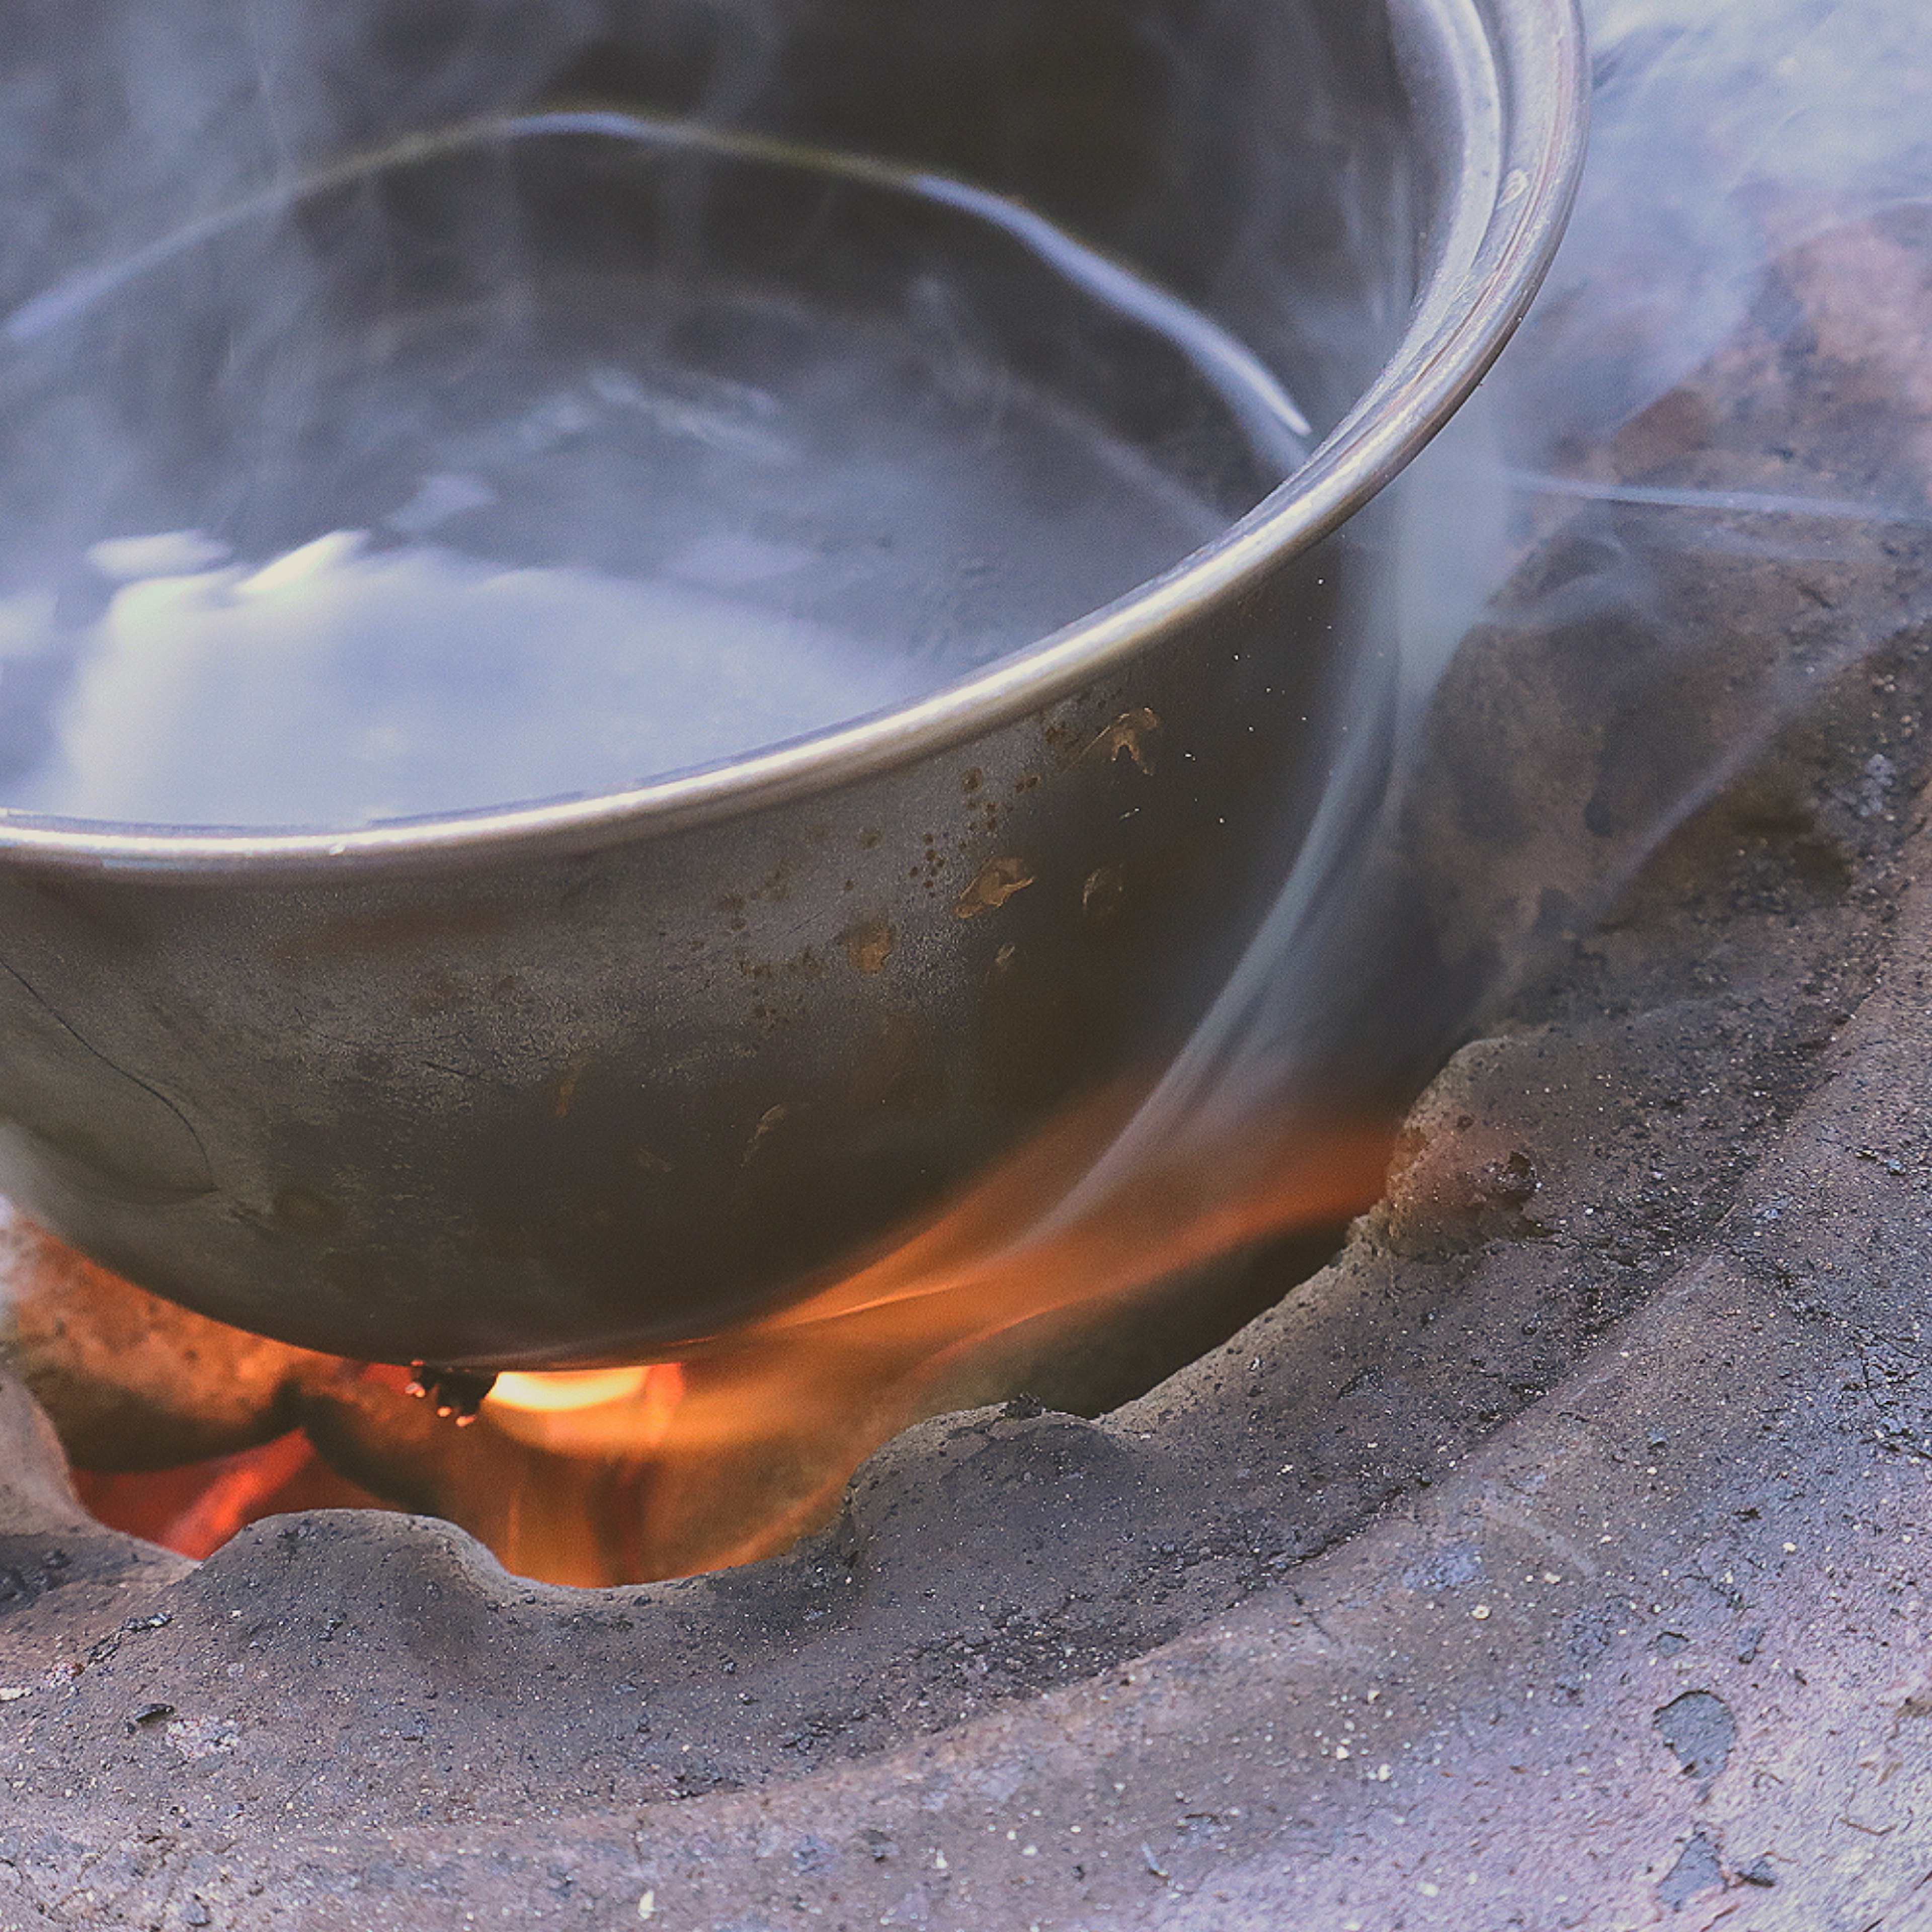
(182, 1431)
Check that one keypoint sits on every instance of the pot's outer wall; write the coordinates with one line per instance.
(582, 1099)
(595, 1103)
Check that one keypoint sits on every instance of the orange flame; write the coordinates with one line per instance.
(613, 1475)
(773, 1418)
(590, 1412)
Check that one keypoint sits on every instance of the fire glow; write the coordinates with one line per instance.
(590, 1412)
(621, 1475)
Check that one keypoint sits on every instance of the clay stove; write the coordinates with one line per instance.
(1550, 1559)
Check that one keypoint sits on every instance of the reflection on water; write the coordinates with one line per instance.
(513, 464)
(350, 684)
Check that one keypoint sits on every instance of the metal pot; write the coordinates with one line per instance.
(579, 1081)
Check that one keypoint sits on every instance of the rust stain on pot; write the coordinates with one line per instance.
(563, 1093)
(391, 932)
(306, 1211)
(1129, 733)
(996, 882)
(971, 780)
(767, 1121)
(870, 945)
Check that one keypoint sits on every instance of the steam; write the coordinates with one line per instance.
(886, 531)
(1729, 136)
(1251, 391)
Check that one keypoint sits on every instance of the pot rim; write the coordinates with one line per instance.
(1519, 69)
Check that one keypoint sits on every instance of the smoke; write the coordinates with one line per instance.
(1549, 683)
(1725, 134)
(1691, 494)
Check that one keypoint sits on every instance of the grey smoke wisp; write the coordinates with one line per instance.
(1552, 651)
(1550, 521)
